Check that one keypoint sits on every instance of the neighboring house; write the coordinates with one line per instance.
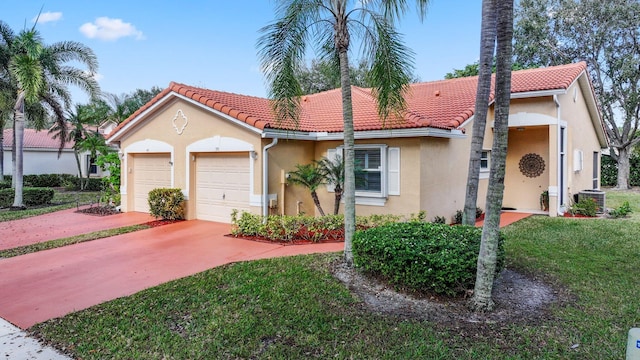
(41, 155)
(223, 149)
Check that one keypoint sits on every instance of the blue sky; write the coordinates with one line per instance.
(212, 44)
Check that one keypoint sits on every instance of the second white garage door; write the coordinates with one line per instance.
(150, 171)
(222, 184)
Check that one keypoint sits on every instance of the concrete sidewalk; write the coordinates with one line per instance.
(15, 344)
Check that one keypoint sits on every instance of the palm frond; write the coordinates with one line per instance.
(391, 67)
(282, 47)
(71, 51)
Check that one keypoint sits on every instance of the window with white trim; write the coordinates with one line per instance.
(369, 174)
(485, 163)
(485, 156)
(378, 175)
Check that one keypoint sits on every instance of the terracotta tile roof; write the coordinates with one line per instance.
(444, 104)
(34, 140)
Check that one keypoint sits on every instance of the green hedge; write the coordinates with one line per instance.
(167, 204)
(422, 256)
(30, 196)
(288, 227)
(609, 171)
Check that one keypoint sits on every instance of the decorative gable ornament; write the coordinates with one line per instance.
(179, 122)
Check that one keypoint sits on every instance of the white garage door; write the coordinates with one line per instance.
(222, 184)
(150, 171)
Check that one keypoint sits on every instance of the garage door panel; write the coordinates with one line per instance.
(222, 184)
(150, 171)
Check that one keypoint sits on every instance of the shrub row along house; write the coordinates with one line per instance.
(227, 151)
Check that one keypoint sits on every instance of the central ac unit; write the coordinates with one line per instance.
(597, 195)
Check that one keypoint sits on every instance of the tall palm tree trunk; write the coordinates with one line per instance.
(13, 154)
(18, 141)
(487, 48)
(349, 159)
(487, 257)
(77, 156)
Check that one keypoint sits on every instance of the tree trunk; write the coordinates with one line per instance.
(75, 153)
(13, 154)
(487, 48)
(314, 196)
(624, 168)
(349, 159)
(487, 257)
(337, 198)
(2, 153)
(18, 140)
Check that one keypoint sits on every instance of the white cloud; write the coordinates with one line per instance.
(108, 29)
(47, 17)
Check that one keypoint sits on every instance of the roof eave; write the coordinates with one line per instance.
(360, 135)
(170, 96)
(592, 105)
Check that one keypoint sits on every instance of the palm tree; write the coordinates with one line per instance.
(331, 24)
(41, 74)
(95, 145)
(311, 177)
(333, 171)
(76, 131)
(487, 257)
(487, 48)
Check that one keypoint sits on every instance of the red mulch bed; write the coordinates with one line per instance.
(156, 223)
(99, 210)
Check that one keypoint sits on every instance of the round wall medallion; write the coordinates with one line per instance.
(532, 165)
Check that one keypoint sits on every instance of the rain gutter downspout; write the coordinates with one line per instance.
(559, 191)
(265, 178)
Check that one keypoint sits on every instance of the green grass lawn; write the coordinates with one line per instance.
(292, 308)
(61, 200)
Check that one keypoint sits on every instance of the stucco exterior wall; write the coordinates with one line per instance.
(199, 124)
(283, 158)
(581, 139)
(42, 161)
(443, 170)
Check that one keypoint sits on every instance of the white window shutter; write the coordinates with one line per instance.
(394, 171)
(331, 155)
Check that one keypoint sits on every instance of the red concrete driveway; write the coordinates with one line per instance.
(48, 284)
(62, 224)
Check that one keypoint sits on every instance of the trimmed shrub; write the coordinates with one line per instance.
(5, 184)
(167, 204)
(585, 207)
(423, 256)
(6, 197)
(43, 180)
(287, 227)
(30, 196)
(37, 196)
